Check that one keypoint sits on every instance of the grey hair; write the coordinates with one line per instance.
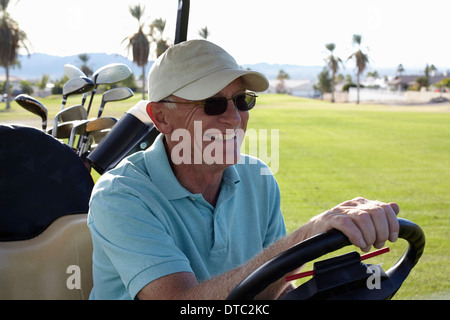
(168, 104)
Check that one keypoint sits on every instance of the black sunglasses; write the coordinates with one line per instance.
(215, 106)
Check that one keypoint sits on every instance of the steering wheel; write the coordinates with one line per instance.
(343, 277)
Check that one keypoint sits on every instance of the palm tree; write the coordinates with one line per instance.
(84, 58)
(204, 33)
(333, 64)
(361, 59)
(400, 69)
(11, 39)
(139, 43)
(433, 70)
(161, 44)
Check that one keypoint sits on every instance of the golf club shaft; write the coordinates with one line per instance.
(92, 99)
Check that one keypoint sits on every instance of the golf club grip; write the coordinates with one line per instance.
(314, 248)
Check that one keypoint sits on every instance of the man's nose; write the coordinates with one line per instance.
(231, 115)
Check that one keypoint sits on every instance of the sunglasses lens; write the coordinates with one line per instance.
(245, 102)
(215, 106)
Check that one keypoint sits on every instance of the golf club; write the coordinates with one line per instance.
(74, 72)
(79, 128)
(77, 112)
(109, 74)
(72, 113)
(64, 130)
(34, 106)
(76, 86)
(115, 94)
(95, 125)
(98, 136)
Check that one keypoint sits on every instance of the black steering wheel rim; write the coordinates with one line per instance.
(321, 244)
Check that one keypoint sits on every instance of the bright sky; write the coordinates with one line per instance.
(411, 32)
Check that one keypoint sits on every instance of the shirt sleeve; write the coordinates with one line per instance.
(133, 237)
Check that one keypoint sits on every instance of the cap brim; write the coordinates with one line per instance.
(213, 83)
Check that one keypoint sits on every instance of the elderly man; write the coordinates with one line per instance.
(170, 223)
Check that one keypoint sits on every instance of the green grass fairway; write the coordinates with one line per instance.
(329, 153)
(333, 152)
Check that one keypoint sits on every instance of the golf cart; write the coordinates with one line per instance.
(45, 245)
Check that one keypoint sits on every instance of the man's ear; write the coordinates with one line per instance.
(157, 112)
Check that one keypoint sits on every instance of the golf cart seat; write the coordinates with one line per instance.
(45, 244)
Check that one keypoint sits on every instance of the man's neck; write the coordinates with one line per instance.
(198, 181)
(199, 178)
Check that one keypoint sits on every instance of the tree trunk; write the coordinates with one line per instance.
(357, 88)
(332, 87)
(8, 105)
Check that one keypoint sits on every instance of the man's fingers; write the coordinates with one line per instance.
(379, 218)
(393, 222)
(395, 207)
(347, 226)
(365, 222)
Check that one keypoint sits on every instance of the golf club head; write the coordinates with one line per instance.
(93, 126)
(70, 114)
(115, 94)
(100, 124)
(64, 129)
(77, 112)
(34, 106)
(111, 73)
(72, 71)
(77, 86)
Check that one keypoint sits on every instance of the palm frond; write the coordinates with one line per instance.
(11, 39)
(137, 11)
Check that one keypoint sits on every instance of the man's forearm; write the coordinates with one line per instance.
(219, 287)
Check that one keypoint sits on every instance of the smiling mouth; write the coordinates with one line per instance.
(221, 137)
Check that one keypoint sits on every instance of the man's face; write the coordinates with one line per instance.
(214, 140)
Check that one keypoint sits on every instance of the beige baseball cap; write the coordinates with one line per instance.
(196, 70)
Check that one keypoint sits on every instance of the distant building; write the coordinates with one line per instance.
(402, 83)
(299, 88)
(376, 83)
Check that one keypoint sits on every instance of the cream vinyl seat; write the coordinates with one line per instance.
(43, 267)
(45, 244)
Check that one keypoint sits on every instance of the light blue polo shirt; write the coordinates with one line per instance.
(145, 225)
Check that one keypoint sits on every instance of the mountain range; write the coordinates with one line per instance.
(34, 66)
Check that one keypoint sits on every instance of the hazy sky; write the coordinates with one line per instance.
(410, 32)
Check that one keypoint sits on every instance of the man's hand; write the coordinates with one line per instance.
(364, 222)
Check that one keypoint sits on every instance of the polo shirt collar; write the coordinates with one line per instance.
(162, 175)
